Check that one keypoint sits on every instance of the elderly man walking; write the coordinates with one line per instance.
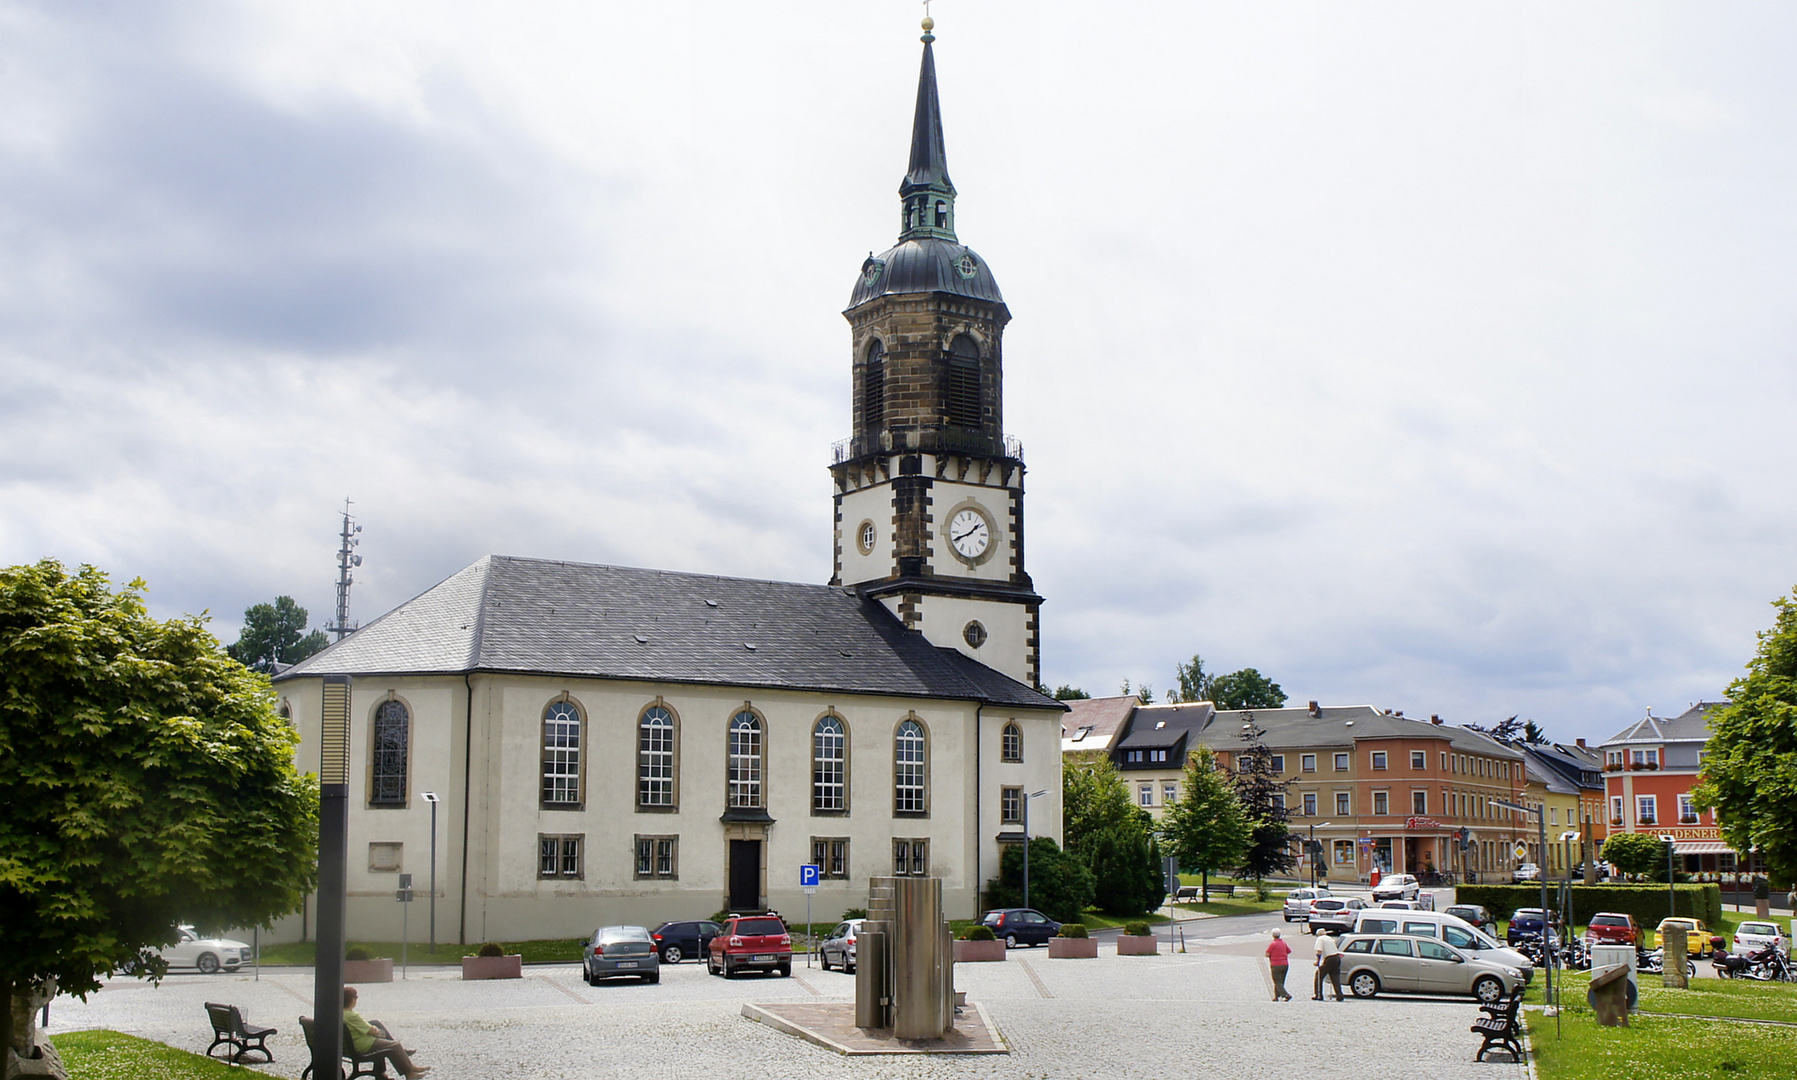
(1279, 955)
(1329, 964)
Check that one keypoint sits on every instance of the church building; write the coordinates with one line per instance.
(599, 744)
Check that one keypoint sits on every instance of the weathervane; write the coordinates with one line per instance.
(929, 24)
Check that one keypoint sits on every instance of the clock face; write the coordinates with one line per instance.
(969, 533)
(866, 537)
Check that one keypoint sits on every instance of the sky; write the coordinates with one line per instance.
(1433, 357)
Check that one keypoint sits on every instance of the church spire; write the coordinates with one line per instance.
(927, 194)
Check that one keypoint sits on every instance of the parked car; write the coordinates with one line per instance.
(684, 940)
(1423, 965)
(1334, 914)
(838, 947)
(1531, 922)
(1603, 872)
(1476, 915)
(1697, 935)
(206, 955)
(1400, 905)
(1451, 929)
(1750, 937)
(1021, 926)
(1525, 873)
(1612, 928)
(750, 943)
(1396, 887)
(1297, 902)
(616, 951)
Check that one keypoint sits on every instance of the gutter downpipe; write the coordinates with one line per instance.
(979, 842)
(467, 771)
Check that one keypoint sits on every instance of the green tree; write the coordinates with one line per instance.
(1193, 684)
(275, 634)
(1262, 794)
(1125, 861)
(1532, 732)
(1060, 884)
(1246, 689)
(1144, 693)
(1094, 797)
(1750, 762)
(1065, 692)
(1635, 854)
(145, 780)
(1206, 830)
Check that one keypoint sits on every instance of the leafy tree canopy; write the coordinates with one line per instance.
(275, 634)
(1191, 681)
(1206, 830)
(1532, 732)
(1065, 692)
(1094, 797)
(1060, 884)
(1143, 692)
(1246, 689)
(1126, 867)
(145, 780)
(1750, 762)
(1636, 854)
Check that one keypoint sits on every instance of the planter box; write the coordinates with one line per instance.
(1072, 948)
(368, 971)
(979, 952)
(493, 967)
(1130, 945)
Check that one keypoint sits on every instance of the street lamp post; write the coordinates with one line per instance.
(1026, 842)
(1541, 831)
(1671, 893)
(1312, 849)
(431, 797)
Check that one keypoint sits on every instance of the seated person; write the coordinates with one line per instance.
(369, 1038)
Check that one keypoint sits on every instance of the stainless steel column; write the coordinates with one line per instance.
(917, 958)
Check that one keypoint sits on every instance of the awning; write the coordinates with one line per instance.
(1701, 847)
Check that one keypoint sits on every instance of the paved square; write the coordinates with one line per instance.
(1208, 1011)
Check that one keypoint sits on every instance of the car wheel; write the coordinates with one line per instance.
(655, 978)
(207, 963)
(1010, 941)
(1365, 984)
(729, 972)
(823, 960)
(711, 965)
(672, 955)
(1488, 989)
(848, 967)
(786, 971)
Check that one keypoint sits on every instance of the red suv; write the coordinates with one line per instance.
(1611, 928)
(750, 943)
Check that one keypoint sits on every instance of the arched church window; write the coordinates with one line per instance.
(745, 760)
(392, 745)
(561, 754)
(908, 789)
(964, 404)
(829, 761)
(655, 758)
(1013, 742)
(873, 386)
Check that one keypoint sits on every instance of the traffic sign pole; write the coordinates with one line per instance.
(809, 873)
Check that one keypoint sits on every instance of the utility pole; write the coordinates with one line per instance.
(347, 561)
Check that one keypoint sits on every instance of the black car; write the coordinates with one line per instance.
(684, 940)
(1527, 922)
(1475, 914)
(1021, 926)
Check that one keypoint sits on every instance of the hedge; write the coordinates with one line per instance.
(1647, 903)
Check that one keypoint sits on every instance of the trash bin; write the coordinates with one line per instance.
(1375, 881)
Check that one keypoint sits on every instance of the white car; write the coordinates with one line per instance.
(1525, 873)
(1751, 937)
(1396, 887)
(1297, 902)
(205, 955)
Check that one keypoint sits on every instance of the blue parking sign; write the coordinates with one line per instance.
(809, 873)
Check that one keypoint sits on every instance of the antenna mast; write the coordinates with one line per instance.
(347, 560)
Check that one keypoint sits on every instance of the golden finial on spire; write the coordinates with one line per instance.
(929, 24)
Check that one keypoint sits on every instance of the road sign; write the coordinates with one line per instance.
(1522, 850)
(809, 873)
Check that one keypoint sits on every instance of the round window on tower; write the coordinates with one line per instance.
(974, 634)
(865, 536)
(967, 266)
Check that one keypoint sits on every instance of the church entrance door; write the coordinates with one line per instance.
(745, 875)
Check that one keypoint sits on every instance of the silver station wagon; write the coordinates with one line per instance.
(1372, 963)
(621, 950)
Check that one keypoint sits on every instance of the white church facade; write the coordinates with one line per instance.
(617, 745)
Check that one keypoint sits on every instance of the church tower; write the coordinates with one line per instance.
(929, 489)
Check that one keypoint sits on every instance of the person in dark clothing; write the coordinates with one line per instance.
(1329, 965)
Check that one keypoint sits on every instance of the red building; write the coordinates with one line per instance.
(1649, 771)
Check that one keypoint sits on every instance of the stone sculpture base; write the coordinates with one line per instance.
(1609, 995)
(832, 1025)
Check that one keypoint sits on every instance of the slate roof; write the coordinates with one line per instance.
(1155, 726)
(537, 616)
(1093, 723)
(1692, 725)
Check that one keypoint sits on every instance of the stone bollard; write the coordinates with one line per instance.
(1609, 995)
(31, 1054)
(1674, 955)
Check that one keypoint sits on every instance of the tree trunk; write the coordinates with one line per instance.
(6, 1016)
(1204, 886)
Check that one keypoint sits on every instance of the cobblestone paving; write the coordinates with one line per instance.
(1208, 1011)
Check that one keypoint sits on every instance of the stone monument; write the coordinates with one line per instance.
(31, 1053)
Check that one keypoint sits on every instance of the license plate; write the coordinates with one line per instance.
(762, 959)
(626, 963)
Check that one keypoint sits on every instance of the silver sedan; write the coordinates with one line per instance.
(615, 951)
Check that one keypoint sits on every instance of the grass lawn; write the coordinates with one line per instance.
(1652, 1047)
(108, 1055)
(1742, 998)
(1246, 905)
(305, 953)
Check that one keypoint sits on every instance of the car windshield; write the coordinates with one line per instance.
(1609, 920)
(762, 927)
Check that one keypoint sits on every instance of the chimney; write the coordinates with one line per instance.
(1434, 719)
(1316, 710)
(1581, 744)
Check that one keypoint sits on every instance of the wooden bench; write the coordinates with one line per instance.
(370, 1064)
(229, 1029)
(1500, 1027)
(1192, 892)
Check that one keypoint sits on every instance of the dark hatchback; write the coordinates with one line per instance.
(684, 940)
(1021, 926)
(1527, 922)
(1475, 914)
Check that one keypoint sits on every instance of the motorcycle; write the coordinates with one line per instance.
(1574, 956)
(1654, 963)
